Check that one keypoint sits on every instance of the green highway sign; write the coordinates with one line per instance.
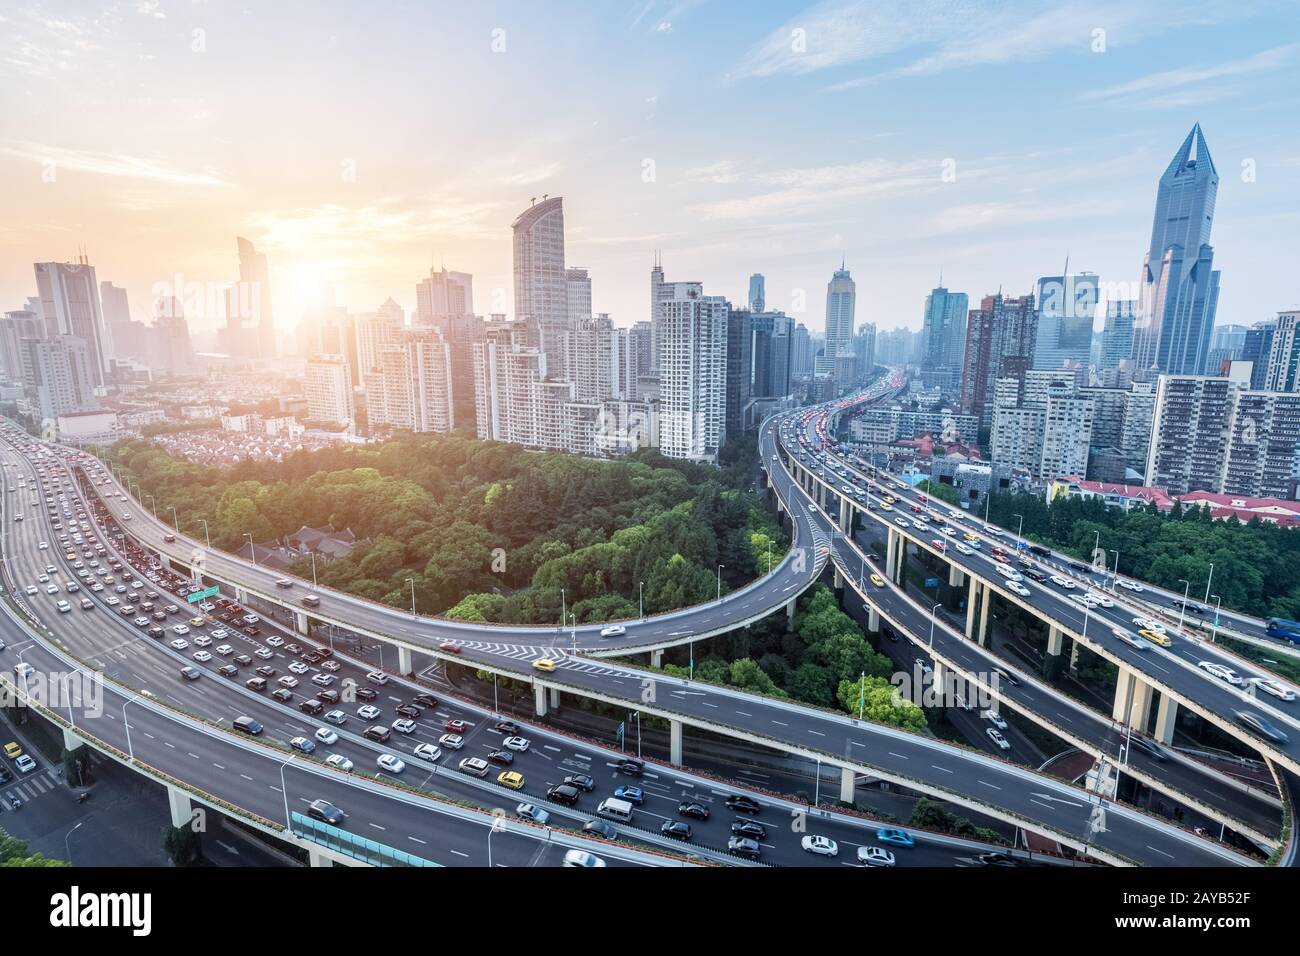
(198, 596)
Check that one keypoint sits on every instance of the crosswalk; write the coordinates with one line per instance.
(27, 789)
(531, 652)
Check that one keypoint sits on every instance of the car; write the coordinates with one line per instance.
(994, 718)
(507, 727)
(1149, 746)
(202, 656)
(323, 680)
(337, 717)
(630, 767)
(1006, 676)
(1100, 599)
(328, 696)
(377, 677)
(875, 856)
(696, 811)
(742, 803)
(368, 711)
(1222, 672)
(25, 763)
(1130, 585)
(503, 757)
(614, 630)
(964, 549)
(995, 859)
(179, 629)
(877, 580)
(51, 589)
(474, 766)
(1129, 638)
(1018, 588)
(363, 693)
(926, 668)
(1149, 624)
(451, 647)
(452, 741)
(1270, 686)
(404, 726)
(581, 858)
(391, 763)
(531, 812)
(228, 670)
(631, 794)
(263, 653)
(895, 837)
(298, 667)
(267, 670)
(304, 744)
(820, 845)
(425, 700)
(325, 811)
(455, 726)
(678, 829)
(580, 780)
(12, 750)
(282, 694)
(1062, 582)
(1156, 637)
(744, 846)
(601, 829)
(519, 744)
(179, 644)
(544, 664)
(288, 680)
(511, 778)
(995, 735)
(1261, 726)
(427, 752)
(332, 666)
(32, 589)
(326, 736)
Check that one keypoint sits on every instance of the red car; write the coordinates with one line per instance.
(169, 538)
(450, 647)
(455, 726)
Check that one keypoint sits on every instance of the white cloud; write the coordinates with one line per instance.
(110, 164)
(1169, 81)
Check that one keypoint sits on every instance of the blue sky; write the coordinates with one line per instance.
(359, 144)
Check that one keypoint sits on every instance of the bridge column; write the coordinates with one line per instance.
(939, 684)
(1123, 692)
(847, 781)
(873, 619)
(985, 602)
(956, 576)
(675, 742)
(972, 598)
(789, 615)
(70, 740)
(300, 623)
(1166, 716)
(1074, 655)
(846, 514)
(657, 658)
(316, 858)
(891, 545)
(1055, 641)
(241, 596)
(404, 666)
(178, 802)
(555, 698)
(837, 580)
(1141, 709)
(539, 700)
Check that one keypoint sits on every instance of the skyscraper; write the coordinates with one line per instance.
(328, 389)
(1067, 305)
(69, 297)
(841, 298)
(943, 329)
(1117, 335)
(577, 288)
(1000, 337)
(757, 293)
(1179, 285)
(541, 286)
(1282, 371)
(1256, 345)
(250, 324)
(443, 293)
(692, 372)
(740, 367)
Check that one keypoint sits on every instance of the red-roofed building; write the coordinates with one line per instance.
(1112, 495)
(1280, 511)
(1275, 510)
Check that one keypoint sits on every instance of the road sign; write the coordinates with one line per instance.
(198, 596)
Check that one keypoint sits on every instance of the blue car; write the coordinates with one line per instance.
(631, 795)
(895, 836)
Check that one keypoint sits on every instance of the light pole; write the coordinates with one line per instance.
(933, 617)
(1183, 610)
(498, 823)
(1208, 579)
(252, 549)
(720, 567)
(153, 504)
(130, 752)
(66, 845)
(284, 789)
(563, 616)
(313, 568)
(1214, 631)
(176, 521)
(573, 621)
(1114, 577)
(206, 534)
(411, 582)
(1020, 527)
(641, 599)
(769, 556)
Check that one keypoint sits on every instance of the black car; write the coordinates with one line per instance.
(738, 801)
(601, 829)
(995, 859)
(282, 694)
(503, 757)
(1035, 575)
(325, 812)
(243, 660)
(377, 733)
(696, 811)
(744, 846)
(228, 670)
(581, 781)
(507, 727)
(328, 696)
(266, 670)
(425, 700)
(563, 793)
(407, 710)
(364, 693)
(676, 828)
(1195, 609)
(748, 828)
(633, 768)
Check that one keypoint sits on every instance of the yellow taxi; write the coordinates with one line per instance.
(1155, 637)
(512, 779)
(544, 664)
(970, 537)
(885, 506)
(877, 580)
(889, 499)
(13, 751)
(198, 621)
(70, 556)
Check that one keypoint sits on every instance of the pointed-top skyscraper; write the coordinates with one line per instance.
(1179, 285)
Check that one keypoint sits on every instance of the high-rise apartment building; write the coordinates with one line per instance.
(374, 332)
(577, 289)
(541, 283)
(943, 330)
(410, 385)
(69, 296)
(61, 376)
(443, 293)
(692, 372)
(1179, 284)
(1000, 337)
(841, 303)
(328, 389)
(740, 368)
(1281, 370)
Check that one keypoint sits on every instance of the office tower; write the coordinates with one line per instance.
(866, 348)
(410, 385)
(841, 296)
(443, 293)
(375, 331)
(117, 319)
(328, 388)
(170, 338)
(801, 352)
(642, 340)
(1225, 346)
(16, 328)
(1117, 334)
(577, 288)
(943, 330)
(1283, 354)
(1000, 338)
(757, 293)
(771, 346)
(250, 322)
(1067, 305)
(1179, 285)
(541, 286)
(740, 368)
(692, 372)
(69, 295)
(61, 375)
(1256, 345)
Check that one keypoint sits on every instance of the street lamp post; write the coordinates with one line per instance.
(66, 845)
(1020, 527)
(933, 617)
(1183, 610)
(641, 599)
(153, 504)
(720, 567)
(573, 621)
(498, 823)
(176, 521)
(411, 582)
(1114, 577)
(284, 790)
(1208, 579)
(1214, 631)
(313, 568)
(252, 549)
(130, 752)
(207, 536)
(563, 616)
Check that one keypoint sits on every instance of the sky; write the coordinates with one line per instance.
(359, 145)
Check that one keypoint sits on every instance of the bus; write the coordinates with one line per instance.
(1280, 627)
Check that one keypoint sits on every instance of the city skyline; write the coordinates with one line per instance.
(374, 219)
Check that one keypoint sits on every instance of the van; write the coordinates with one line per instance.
(311, 600)
(247, 725)
(256, 683)
(612, 808)
(311, 706)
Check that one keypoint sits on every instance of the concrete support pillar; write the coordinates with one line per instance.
(873, 620)
(837, 580)
(555, 698)
(657, 658)
(1166, 716)
(939, 682)
(985, 601)
(241, 596)
(847, 781)
(1141, 709)
(1074, 655)
(1055, 641)
(956, 576)
(1123, 692)
(179, 803)
(789, 615)
(316, 858)
(404, 666)
(972, 599)
(300, 623)
(891, 546)
(165, 561)
(846, 515)
(539, 700)
(70, 740)
(675, 742)
(780, 508)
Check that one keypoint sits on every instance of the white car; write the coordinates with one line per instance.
(875, 856)
(179, 644)
(452, 741)
(949, 530)
(516, 743)
(367, 711)
(298, 667)
(391, 763)
(582, 858)
(326, 736)
(203, 641)
(902, 522)
(428, 752)
(404, 726)
(43, 546)
(999, 741)
(994, 718)
(181, 629)
(1148, 624)
(820, 845)
(323, 680)
(225, 650)
(202, 656)
(1221, 672)
(1101, 599)
(263, 653)
(1018, 588)
(617, 630)
(33, 589)
(337, 717)
(1008, 572)
(964, 548)
(288, 680)
(1268, 686)
(339, 762)
(1131, 639)
(1130, 585)
(1061, 582)
(275, 640)
(51, 589)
